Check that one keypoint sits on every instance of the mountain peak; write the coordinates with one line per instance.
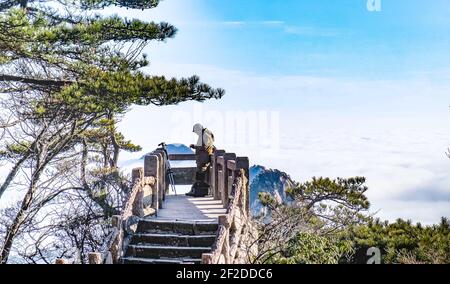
(271, 181)
(176, 148)
(255, 170)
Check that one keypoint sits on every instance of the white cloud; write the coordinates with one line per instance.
(234, 23)
(312, 31)
(242, 24)
(395, 133)
(273, 23)
(284, 27)
(396, 136)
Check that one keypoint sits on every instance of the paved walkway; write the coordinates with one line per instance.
(181, 207)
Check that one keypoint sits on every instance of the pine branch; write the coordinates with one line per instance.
(33, 81)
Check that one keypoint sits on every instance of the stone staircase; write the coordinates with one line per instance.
(159, 241)
(218, 238)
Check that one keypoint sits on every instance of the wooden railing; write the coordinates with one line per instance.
(145, 199)
(230, 178)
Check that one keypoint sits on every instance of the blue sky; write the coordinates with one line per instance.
(406, 42)
(321, 37)
(346, 91)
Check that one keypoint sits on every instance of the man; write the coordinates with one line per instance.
(204, 149)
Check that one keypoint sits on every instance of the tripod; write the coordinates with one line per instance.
(169, 171)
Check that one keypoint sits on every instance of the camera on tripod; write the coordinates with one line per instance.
(168, 168)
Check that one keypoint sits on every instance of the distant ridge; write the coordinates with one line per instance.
(270, 181)
(176, 148)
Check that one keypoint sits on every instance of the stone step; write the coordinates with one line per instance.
(174, 240)
(177, 227)
(135, 260)
(166, 252)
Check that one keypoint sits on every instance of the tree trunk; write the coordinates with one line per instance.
(18, 220)
(15, 169)
(84, 157)
(11, 175)
(108, 210)
(116, 149)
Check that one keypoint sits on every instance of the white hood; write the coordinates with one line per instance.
(198, 129)
(205, 136)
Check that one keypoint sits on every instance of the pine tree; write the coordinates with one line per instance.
(84, 63)
(67, 74)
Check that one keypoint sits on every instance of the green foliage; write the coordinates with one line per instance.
(333, 226)
(85, 4)
(267, 200)
(15, 149)
(116, 91)
(136, 4)
(404, 242)
(68, 75)
(87, 63)
(85, 66)
(348, 192)
(309, 226)
(309, 248)
(332, 203)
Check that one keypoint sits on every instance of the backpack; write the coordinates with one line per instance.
(211, 136)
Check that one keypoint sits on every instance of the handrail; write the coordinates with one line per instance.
(182, 157)
(150, 181)
(234, 224)
(229, 178)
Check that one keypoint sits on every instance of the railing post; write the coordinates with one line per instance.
(116, 248)
(223, 177)
(207, 258)
(138, 205)
(60, 261)
(162, 176)
(137, 173)
(95, 258)
(151, 168)
(232, 186)
(220, 176)
(223, 221)
(242, 163)
(231, 169)
(213, 175)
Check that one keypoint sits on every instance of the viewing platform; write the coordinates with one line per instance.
(158, 225)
